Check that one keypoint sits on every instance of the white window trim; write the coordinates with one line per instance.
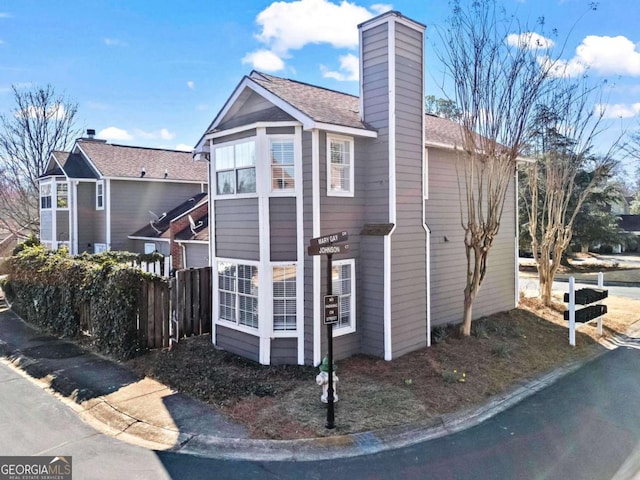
(214, 171)
(337, 332)
(100, 183)
(51, 195)
(351, 191)
(283, 192)
(55, 197)
(99, 247)
(216, 314)
(285, 333)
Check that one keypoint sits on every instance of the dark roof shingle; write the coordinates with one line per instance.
(125, 161)
(320, 104)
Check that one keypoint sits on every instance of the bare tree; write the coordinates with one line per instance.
(495, 68)
(565, 174)
(40, 123)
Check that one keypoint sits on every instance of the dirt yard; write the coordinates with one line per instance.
(284, 402)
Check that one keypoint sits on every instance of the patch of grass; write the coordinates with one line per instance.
(501, 350)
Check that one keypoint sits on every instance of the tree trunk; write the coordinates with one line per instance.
(545, 279)
(468, 314)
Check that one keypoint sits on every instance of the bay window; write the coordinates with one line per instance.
(238, 293)
(235, 167)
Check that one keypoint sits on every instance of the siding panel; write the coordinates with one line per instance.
(448, 262)
(237, 342)
(145, 196)
(282, 212)
(237, 229)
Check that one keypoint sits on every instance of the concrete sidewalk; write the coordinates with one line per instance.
(145, 412)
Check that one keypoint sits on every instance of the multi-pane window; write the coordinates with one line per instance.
(62, 195)
(45, 195)
(343, 282)
(282, 165)
(100, 195)
(238, 293)
(284, 297)
(236, 168)
(339, 166)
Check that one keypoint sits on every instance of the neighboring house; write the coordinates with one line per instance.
(189, 238)
(631, 224)
(93, 197)
(181, 232)
(291, 161)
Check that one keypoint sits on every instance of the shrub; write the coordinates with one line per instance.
(50, 289)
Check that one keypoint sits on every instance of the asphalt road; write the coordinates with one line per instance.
(587, 426)
(530, 286)
(33, 422)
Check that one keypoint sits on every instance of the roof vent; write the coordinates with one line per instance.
(91, 133)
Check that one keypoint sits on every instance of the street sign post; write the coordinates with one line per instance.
(326, 245)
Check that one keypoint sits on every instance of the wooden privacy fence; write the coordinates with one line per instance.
(191, 301)
(153, 315)
(167, 312)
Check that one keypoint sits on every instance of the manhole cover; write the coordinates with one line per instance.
(54, 350)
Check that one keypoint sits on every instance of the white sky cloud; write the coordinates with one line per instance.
(5, 15)
(529, 40)
(162, 134)
(349, 69)
(114, 133)
(618, 110)
(55, 112)
(380, 8)
(114, 42)
(604, 55)
(287, 26)
(191, 84)
(184, 147)
(264, 60)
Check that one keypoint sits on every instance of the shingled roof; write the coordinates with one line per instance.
(320, 104)
(442, 132)
(123, 161)
(159, 228)
(73, 166)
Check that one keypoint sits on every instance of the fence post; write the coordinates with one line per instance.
(572, 312)
(601, 287)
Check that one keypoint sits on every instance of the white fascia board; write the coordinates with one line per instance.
(192, 242)
(150, 239)
(355, 132)
(307, 122)
(53, 157)
(159, 180)
(250, 126)
(395, 16)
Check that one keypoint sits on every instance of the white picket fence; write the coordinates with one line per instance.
(157, 268)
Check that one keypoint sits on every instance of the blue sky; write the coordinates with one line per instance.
(156, 73)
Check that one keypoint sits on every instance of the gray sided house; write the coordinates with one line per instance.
(94, 197)
(291, 161)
